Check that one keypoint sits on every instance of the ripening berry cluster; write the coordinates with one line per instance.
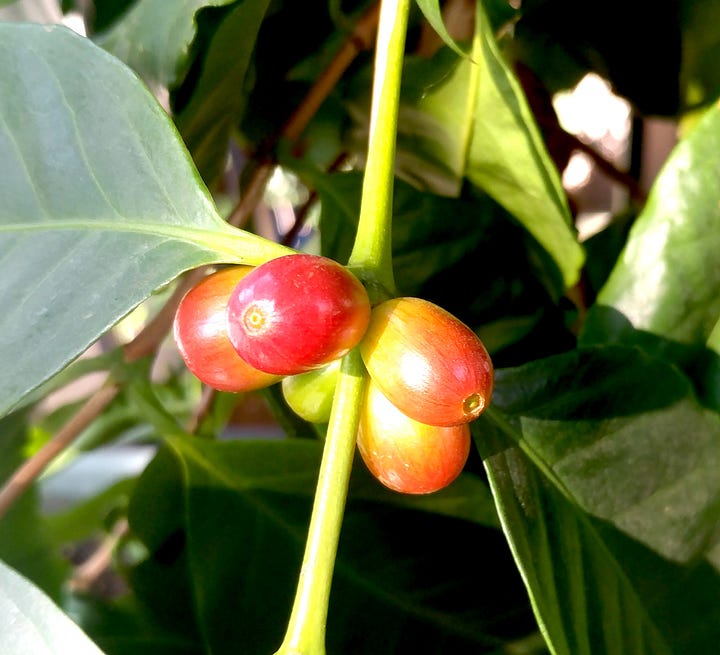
(292, 319)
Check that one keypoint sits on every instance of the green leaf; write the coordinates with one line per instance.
(31, 623)
(26, 544)
(489, 134)
(700, 49)
(407, 574)
(465, 254)
(217, 102)
(154, 38)
(667, 281)
(123, 626)
(100, 204)
(612, 502)
(431, 9)
(584, 602)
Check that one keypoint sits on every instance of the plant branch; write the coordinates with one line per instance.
(306, 629)
(371, 257)
(87, 573)
(29, 470)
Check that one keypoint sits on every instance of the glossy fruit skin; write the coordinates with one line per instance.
(310, 395)
(200, 332)
(297, 313)
(429, 364)
(406, 455)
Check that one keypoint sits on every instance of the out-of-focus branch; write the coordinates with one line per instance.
(89, 571)
(29, 470)
(361, 38)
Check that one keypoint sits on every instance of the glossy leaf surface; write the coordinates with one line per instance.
(610, 501)
(667, 281)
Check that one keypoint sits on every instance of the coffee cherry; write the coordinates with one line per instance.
(200, 332)
(310, 395)
(297, 313)
(406, 455)
(429, 364)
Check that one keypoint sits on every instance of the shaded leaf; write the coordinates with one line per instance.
(217, 102)
(614, 502)
(556, 39)
(154, 38)
(699, 74)
(244, 508)
(26, 544)
(31, 623)
(100, 205)
(123, 627)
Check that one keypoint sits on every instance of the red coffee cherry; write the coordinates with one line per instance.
(406, 455)
(200, 331)
(429, 364)
(297, 313)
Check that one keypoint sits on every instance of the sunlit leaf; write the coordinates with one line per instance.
(667, 281)
(490, 136)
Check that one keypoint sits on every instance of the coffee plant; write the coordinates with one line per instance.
(305, 347)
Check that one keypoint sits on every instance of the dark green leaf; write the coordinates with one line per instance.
(31, 623)
(217, 103)
(154, 38)
(700, 75)
(617, 482)
(124, 627)
(244, 509)
(100, 205)
(26, 544)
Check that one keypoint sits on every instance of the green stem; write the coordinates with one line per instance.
(371, 261)
(371, 257)
(306, 630)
